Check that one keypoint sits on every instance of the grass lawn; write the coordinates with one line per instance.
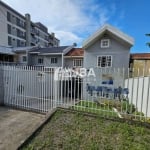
(93, 107)
(76, 131)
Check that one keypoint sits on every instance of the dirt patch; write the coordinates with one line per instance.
(15, 126)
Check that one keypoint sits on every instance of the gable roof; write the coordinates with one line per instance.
(75, 52)
(111, 30)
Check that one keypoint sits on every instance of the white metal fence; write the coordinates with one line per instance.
(29, 87)
(109, 92)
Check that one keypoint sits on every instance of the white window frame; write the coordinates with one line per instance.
(77, 61)
(106, 63)
(54, 60)
(102, 43)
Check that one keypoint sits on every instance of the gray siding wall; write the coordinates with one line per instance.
(33, 60)
(68, 62)
(119, 52)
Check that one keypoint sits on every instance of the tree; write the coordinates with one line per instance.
(148, 43)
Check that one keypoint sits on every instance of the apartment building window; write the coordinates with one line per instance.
(53, 60)
(105, 43)
(20, 34)
(9, 41)
(40, 61)
(9, 28)
(8, 16)
(20, 23)
(104, 61)
(18, 43)
(77, 62)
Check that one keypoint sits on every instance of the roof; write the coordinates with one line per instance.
(109, 29)
(79, 52)
(23, 49)
(140, 56)
(49, 50)
(6, 50)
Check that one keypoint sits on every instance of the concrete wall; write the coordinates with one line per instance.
(3, 27)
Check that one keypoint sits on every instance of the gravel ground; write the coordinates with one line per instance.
(16, 126)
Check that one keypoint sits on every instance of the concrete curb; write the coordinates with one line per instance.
(47, 118)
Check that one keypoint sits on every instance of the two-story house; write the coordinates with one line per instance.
(106, 51)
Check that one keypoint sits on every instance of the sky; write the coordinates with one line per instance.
(73, 21)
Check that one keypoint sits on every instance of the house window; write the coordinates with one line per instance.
(104, 61)
(40, 60)
(77, 62)
(105, 43)
(53, 60)
(24, 58)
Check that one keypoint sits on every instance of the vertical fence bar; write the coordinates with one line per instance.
(148, 97)
(143, 83)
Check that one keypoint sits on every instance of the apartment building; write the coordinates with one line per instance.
(19, 31)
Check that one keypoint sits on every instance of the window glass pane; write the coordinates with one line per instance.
(54, 60)
(104, 61)
(24, 58)
(40, 61)
(77, 62)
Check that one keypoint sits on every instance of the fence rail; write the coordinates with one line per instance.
(108, 92)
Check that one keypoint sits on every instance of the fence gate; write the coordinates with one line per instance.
(29, 88)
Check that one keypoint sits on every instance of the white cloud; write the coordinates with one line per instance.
(70, 20)
(68, 37)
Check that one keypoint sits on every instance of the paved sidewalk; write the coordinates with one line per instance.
(15, 126)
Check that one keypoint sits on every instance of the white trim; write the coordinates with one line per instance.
(112, 30)
(103, 40)
(104, 56)
(73, 56)
(50, 53)
(34, 52)
(74, 62)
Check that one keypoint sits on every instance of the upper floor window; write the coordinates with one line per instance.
(104, 61)
(105, 43)
(8, 16)
(53, 60)
(78, 62)
(9, 41)
(9, 28)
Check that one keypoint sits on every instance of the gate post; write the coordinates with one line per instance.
(1, 85)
